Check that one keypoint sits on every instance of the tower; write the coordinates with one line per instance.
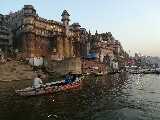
(66, 42)
(65, 19)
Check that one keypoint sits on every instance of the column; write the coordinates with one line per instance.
(60, 47)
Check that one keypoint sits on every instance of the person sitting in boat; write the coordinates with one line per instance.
(37, 82)
(74, 78)
(68, 78)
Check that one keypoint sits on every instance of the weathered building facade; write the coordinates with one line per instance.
(108, 50)
(5, 36)
(38, 37)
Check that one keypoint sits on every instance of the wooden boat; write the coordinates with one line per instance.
(49, 88)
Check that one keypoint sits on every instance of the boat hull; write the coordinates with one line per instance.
(47, 89)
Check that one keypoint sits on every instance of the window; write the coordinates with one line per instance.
(28, 11)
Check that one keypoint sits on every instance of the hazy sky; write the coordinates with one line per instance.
(136, 23)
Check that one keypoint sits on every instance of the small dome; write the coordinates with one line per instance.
(76, 25)
(28, 6)
(65, 13)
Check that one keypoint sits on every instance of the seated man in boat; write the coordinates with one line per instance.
(68, 78)
(37, 82)
(74, 78)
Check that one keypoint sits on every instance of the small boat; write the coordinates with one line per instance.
(49, 88)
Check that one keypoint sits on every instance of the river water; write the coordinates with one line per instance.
(116, 97)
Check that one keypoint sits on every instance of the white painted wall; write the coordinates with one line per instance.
(115, 65)
(36, 61)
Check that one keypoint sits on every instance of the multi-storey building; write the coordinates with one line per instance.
(84, 42)
(5, 36)
(108, 50)
(38, 37)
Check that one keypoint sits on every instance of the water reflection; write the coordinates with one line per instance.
(115, 97)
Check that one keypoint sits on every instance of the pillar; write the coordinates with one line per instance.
(71, 47)
(67, 47)
(60, 46)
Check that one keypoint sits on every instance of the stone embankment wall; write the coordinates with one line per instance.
(78, 66)
(68, 65)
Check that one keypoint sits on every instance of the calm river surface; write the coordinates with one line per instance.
(117, 97)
